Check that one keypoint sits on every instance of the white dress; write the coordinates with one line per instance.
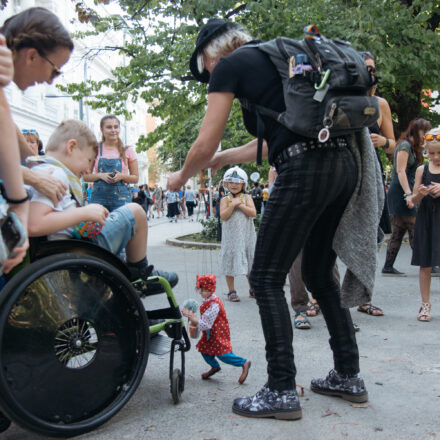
(238, 244)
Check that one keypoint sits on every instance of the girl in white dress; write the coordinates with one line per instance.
(237, 211)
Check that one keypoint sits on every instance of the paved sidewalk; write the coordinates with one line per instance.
(399, 361)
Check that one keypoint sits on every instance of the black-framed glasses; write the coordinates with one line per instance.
(55, 70)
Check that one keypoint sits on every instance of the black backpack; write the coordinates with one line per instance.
(325, 85)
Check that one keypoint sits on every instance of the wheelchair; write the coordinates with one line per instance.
(75, 338)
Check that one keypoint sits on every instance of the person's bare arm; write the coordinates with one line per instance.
(43, 220)
(244, 153)
(420, 191)
(271, 176)
(11, 175)
(402, 161)
(206, 144)
(249, 209)
(227, 207)
(385, 139)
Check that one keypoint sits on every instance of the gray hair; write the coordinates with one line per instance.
(223, 45)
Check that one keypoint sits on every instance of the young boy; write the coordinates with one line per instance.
(216, 339)
(70, 153)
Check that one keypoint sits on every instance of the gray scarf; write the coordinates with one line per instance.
(355, 240)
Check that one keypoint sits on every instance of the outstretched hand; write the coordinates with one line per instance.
(175, 181)
(214, 163)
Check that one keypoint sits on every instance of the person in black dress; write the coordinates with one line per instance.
(426, 251)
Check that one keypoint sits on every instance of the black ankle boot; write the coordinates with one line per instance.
(351, 388)
(267, 403)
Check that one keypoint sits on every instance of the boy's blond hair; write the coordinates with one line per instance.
(72, 129)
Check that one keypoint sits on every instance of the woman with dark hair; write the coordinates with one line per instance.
(115, 167)
(40, 46)
(382, 136)
(407, 157)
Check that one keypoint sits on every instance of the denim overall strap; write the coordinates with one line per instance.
(110, 195)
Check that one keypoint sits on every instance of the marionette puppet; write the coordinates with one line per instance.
(215, 342)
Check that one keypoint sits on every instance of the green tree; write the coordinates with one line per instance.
(160, 36)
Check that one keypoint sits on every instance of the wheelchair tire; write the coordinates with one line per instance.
(74, 339)
(176, 385)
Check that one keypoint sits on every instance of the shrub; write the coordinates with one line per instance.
(209, 230)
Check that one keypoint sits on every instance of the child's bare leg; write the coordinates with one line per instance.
(425, 283)
(136, 248)
(230, 283)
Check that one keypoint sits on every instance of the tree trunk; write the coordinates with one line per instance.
(407, 106)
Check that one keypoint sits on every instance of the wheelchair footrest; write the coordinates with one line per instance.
(160, 344)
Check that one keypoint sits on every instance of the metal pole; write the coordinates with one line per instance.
(210, 192)
(85, 80)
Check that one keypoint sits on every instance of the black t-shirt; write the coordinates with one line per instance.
(249, 74)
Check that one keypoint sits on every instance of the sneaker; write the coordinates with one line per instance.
(155, 287)
(391, 272)
(267, 403)
(349, 388)
(149, 271)
(435, 271)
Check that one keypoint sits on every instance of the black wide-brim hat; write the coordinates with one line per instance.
(212, 29)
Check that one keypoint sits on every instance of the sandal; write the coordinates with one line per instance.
(369, 309)
(210, 373)
(301, 322)
(312, 308)
(424, 312)
(233, 297)
(251, 294)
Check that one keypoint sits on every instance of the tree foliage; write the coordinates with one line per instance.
(160, 37)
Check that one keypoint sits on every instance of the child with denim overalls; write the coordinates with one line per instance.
(112, 174)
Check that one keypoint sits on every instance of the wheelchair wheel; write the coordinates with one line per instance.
(176, 385)
(73, 344)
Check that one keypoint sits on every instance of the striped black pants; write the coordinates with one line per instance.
(307, 201)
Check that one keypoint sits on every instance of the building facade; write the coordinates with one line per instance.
(42, 107)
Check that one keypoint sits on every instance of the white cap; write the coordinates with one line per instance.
(236, 175)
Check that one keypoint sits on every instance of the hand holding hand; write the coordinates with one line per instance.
(95, 213)
(409, 202)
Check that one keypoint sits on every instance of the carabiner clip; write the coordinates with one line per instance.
(324, 80)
